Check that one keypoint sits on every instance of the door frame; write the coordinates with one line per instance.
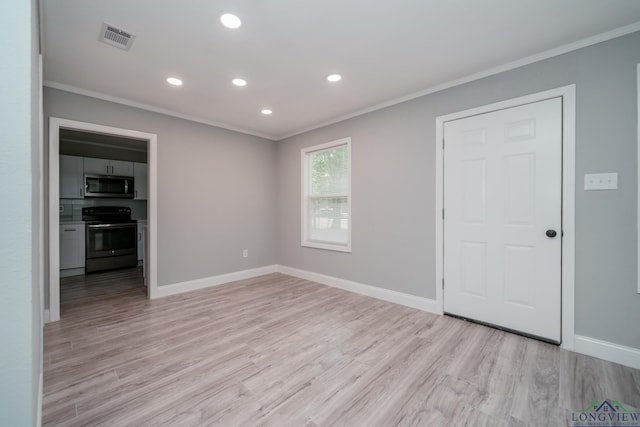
(568, 95)
(55, 124)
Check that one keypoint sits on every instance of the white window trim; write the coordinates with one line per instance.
(305, 196)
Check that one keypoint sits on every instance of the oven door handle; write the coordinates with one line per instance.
(111, 225)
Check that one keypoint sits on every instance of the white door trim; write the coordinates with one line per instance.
(567, 93)
(55, 124)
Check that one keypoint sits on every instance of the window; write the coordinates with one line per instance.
(326, 196)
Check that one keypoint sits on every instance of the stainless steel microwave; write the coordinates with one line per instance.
(117, 187)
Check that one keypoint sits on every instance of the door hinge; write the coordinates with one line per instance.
(442, 213)
(443, 143)
(443, 283)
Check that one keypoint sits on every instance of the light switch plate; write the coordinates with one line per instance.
(601, 181)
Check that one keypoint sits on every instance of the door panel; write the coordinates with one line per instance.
(474, 276)
(473, 204)
(502, 191)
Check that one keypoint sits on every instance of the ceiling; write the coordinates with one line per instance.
(384, 49)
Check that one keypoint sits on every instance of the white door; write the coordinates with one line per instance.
(502, 206)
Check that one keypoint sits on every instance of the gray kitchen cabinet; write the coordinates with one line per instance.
(121, 168)
(71, 177)
(140, 180)
(72, 245)
(94, 166)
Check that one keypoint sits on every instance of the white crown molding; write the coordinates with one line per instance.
(142, 106)
(598, 38)
(413, 301)
(616, 353)
(207, 282)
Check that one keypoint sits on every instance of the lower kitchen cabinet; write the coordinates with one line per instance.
(72, 245)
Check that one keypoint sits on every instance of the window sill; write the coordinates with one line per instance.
(327, 246)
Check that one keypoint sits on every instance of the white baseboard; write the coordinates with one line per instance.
(617, 353)
(47, 315)
(206, 282)
(420, 303)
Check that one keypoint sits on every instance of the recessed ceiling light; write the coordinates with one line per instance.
(230, 20)
(334, 78)
(266, 111)
(239, 82)
(174, 81)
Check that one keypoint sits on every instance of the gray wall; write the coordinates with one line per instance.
(20, 298)
(393, 173)
(215, 188)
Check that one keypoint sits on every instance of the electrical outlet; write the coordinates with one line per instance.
(601, 181)
(245, 253)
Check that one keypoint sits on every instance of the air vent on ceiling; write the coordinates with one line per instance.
(116, 37)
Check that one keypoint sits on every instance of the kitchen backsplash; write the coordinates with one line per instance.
(71, 209)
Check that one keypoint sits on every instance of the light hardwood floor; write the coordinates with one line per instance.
(281, 351)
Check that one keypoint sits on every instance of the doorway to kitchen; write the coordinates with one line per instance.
(143, 142)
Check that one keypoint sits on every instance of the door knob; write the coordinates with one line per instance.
(551, 233)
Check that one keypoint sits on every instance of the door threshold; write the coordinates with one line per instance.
(502, 328)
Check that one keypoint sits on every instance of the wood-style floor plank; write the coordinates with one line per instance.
(281, 351)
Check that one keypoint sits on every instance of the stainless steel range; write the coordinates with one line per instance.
(111, 238)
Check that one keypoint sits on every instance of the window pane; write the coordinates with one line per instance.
(329, 220)
(329, 174)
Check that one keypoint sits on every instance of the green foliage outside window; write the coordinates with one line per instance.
(329, 171)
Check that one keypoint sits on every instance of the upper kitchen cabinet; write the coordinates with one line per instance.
(121, 168)
(71, 177)
(107, 167)
(97, 166)
(140, 181)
